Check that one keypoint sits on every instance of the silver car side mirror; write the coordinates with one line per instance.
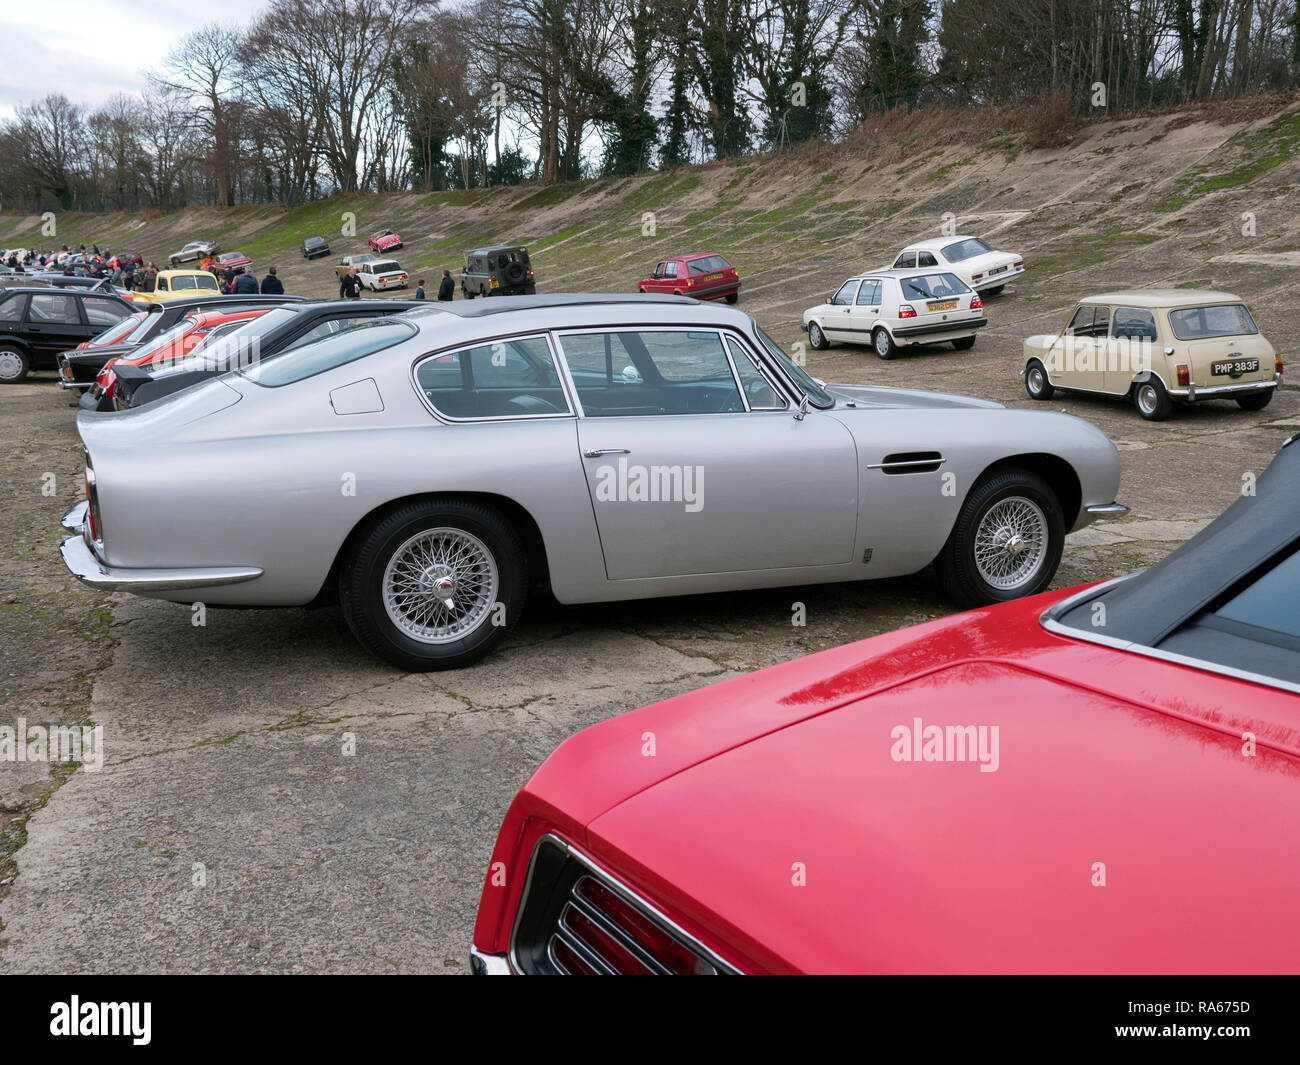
(803, 409)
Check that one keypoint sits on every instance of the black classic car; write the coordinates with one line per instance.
(39, 322)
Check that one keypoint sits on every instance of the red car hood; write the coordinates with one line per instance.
(1118, 832)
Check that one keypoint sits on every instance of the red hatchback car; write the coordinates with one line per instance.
(705, 276)
(176, 343)
(1100, 780)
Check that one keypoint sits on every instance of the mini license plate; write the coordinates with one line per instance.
(710, 277)
(997, 270)
(941, 305)
(1234, 367)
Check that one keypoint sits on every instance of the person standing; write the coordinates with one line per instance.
(271, 284)
(446, 287)
(350, 286)
(245, 285)
(419, 289)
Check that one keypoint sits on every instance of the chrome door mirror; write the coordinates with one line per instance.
(803, 409)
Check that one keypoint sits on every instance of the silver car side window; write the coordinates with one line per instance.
(759, 391)
(646, 372)
(514, 378)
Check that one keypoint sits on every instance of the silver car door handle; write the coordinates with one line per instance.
(596, 452)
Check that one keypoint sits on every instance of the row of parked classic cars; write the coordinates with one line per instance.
(614, 447)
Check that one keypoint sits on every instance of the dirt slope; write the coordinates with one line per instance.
(1148, 200)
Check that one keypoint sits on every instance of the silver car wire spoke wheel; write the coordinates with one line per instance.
(11, 365)
(440, 585)
(1011, 542)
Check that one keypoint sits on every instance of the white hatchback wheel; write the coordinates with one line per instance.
(1011, 543)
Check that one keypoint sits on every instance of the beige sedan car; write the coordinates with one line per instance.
(1157, 347)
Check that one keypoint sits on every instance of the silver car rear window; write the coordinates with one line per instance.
(329, 352)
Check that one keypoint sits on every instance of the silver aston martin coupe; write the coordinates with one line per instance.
(429, 468)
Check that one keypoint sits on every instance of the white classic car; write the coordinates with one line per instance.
(889, 309)
(1157, 347)
(427, 469)
(381, 274)
(970, 258)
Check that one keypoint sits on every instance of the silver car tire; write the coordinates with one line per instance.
(434, 584)
(1006, 542)
(816, 338)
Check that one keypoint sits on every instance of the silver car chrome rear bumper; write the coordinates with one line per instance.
(85, 565)
(74, 521)
(1107, 510)
(75, 384)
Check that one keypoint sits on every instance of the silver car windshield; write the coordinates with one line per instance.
(329, 352)
(817, 395)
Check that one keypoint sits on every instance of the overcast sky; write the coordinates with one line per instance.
(90, 49)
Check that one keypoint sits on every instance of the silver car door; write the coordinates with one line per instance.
(685, 479)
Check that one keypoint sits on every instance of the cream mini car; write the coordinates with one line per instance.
(986, 271)
(1157, 347)
(889, 309)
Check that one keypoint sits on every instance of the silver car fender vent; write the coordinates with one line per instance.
(909, 462)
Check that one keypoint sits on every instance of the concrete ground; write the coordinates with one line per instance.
(273, 799)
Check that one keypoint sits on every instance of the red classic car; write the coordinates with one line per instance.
(384, 240)
(227, 260)
(181, 340)
(1101, 780)
(705, 276)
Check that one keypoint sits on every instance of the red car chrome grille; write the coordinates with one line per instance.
(576, 920)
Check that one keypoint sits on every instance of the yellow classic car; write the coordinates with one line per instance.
(1157, 347)
(178, 284)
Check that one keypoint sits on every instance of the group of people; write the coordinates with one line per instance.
(350, 286)
(129, 271)
(236, 281)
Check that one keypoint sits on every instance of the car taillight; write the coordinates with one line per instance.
(1184, 376)
(976, 304)
(1277, 365)
(906, 311)
(1018, 264)
(530, 273)
(976, 277)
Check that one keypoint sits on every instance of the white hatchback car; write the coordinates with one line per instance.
(889, 309)
(984, 269)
